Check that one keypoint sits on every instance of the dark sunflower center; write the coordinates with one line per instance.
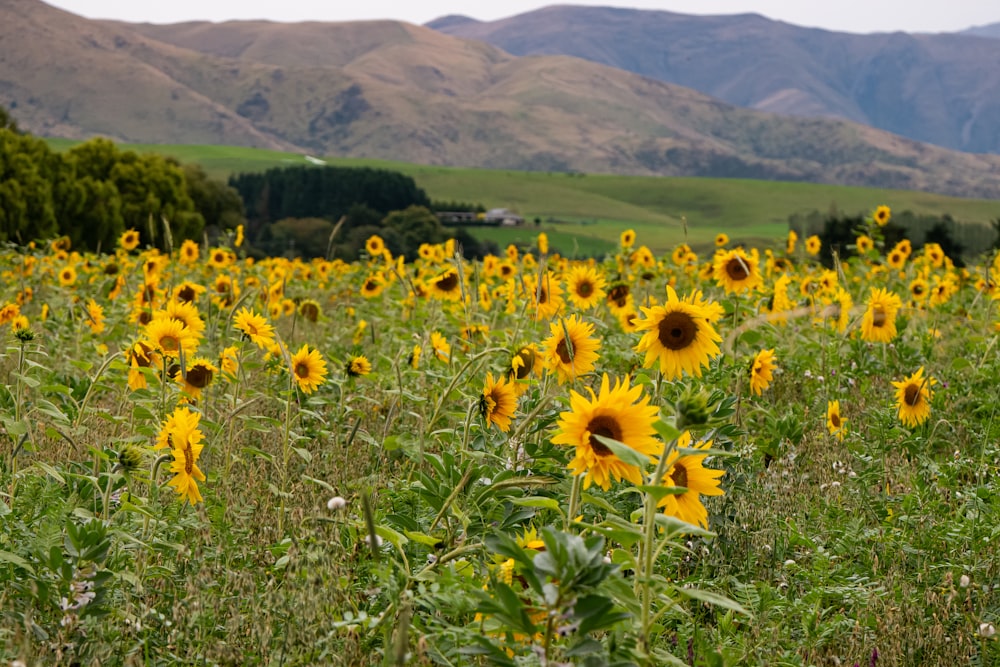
(918, 290)
(736, 269)
(145, 317)
(199, 376)
(618, 294)
(895, 258)
(563, 350)
(186, 294)
(879, 317)
(677, 330)
(835, 420)
(606, 427)
(170, 343)
(111, 269)
(188, 459)
(310, 311)
(584, 289)
(911, 395)
(543, 296)
(447, 282)
(371, 285)
(222, 287)
(302, 370)
(680, 475)
(527, 358)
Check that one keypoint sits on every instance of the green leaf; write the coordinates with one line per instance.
(397, 539)
(320, 482)
(303, 453)
(422, 538)
(713, 598)
(50, 471)
(623, 451)
(537, 501)
(14, 559)
(675, 526)
(666, 430)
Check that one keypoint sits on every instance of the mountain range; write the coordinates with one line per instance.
(938, 88)
(398, 91)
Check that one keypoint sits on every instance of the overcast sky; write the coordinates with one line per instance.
(860, 16)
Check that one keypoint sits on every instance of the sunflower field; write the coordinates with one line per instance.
(735, 458)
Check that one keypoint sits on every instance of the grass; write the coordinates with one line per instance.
(595, 209)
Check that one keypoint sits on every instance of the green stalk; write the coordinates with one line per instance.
(647, 550)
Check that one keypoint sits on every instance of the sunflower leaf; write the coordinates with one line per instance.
(694, 451)
(713, 598)
(666, 430)
(537, 501)
(623, 451)
(674, 526)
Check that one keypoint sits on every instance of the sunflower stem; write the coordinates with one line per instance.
(574, 501)
(647, 546)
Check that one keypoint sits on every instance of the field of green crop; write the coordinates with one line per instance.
(593, 209)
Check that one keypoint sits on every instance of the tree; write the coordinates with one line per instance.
(27, 208)
(7, 121)
(219, 204)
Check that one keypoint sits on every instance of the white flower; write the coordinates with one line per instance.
(378, 540)
(987, 630)
(336, 503)
(964, 581)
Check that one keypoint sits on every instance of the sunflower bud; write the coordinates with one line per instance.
(692, 408)
(129, 458)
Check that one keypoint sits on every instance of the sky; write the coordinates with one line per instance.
(859, 16)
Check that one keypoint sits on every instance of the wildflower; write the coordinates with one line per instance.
(336, 503)
(721, 240)
(198, 376)
(622, 414)
(129, 240)
(254, 327)
(308, 369)
(790, 242)
(761, 371)
(571, 349)
(628, 238)
(238, 241)
(882, 216)
(498, 402)
(736, 271)
(813, 245)
(168, 336)
(309, 310)
(680, 334)
(913, 395)
(441, 346)
(879, 322)
(358, 366)
(585, 286)
(688, 471)
(374, 245)
(834, 422)
(67, 276)
(543, 244)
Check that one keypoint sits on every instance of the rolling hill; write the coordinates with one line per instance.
(940, 88)
(397, 91)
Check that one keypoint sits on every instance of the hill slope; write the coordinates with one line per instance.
(989, 30)
(943, 89)
(398, 91)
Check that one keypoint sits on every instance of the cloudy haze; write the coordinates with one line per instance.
(860, 16)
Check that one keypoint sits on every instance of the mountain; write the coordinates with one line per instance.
(393, 90)
(990, 30)
(941, 88)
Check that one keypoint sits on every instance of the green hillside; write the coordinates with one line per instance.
(588, 211)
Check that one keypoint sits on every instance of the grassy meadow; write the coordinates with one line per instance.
(727, 457)
(591, 210)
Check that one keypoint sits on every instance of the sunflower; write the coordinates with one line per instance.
(168, 336)
(358, 366)
(813, 245)
(834, 422)
(254, 327)
(373, 286)
(238, 241)
(879, 322)
(882, 215)
(189, 252)
(185, 312)
(628, 238)
(309, 369)
(198, 376)
(619, 298)
(546, 296)
(441, 346)
(687, 471)
(865, 244)
(139, 356)
(736, 271)
(525, 362)
(570, 351)
(627, 319)
(761, 371)
(188, 292)
(680, 254)
(226, 290)
(844, 303)
(129, 240)
(913, 396)
(904, 247)
(621, 414)
(498, 402)
(543, 244)
(680, 334)
(919, 289)
(897, 259)
(67, 276)
(219, 258)
(95, 316)
(585, 286)
(229, 360)
(721, 240)
(180, 433)
(310, 310)
(791, 241)
(374, 245)
(414, 358)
